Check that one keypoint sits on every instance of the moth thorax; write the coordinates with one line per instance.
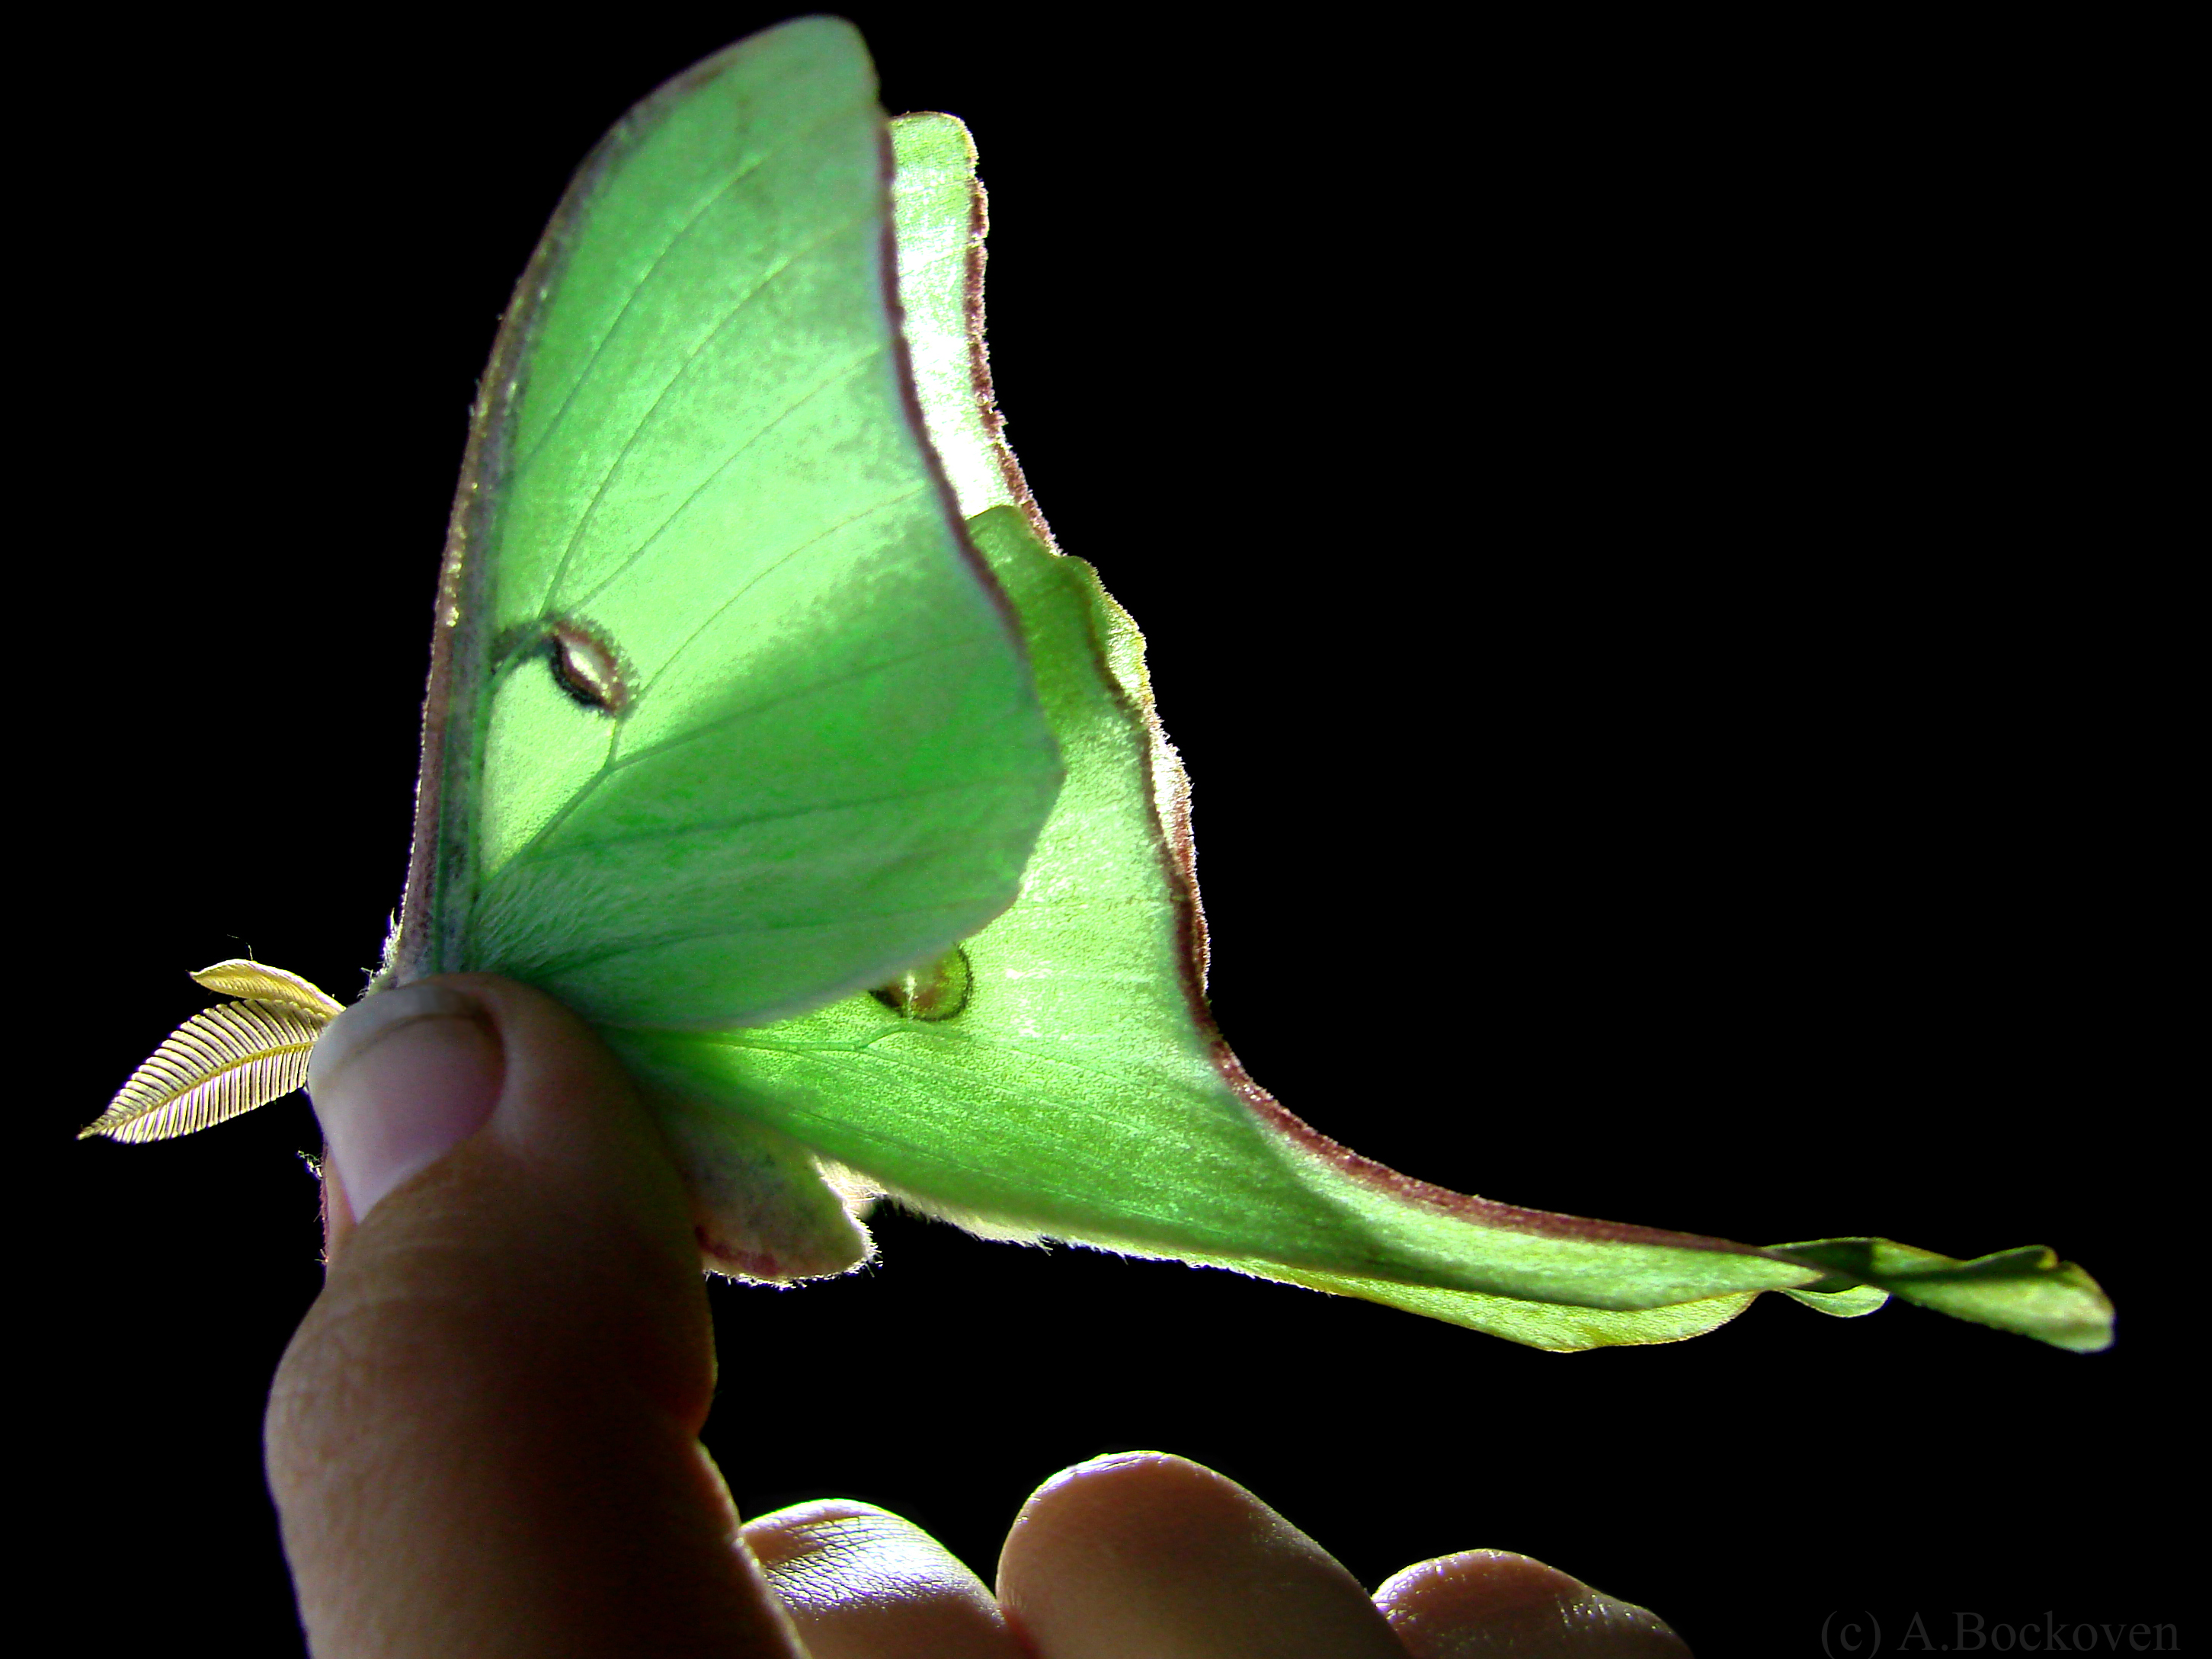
(586, 666)
(938, 991)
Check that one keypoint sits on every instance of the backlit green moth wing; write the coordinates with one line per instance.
(1081, 1092)
(1075, 1087)
(938, 204)
(726, 718)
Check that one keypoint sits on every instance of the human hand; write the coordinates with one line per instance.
(484, 1440)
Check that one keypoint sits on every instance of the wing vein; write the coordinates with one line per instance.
(688, 936)
(612, 763)
(721, 825)
(842, 372)
(735, 716)
(553, 425)
(690, 361)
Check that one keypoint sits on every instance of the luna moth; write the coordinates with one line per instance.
(769, 727)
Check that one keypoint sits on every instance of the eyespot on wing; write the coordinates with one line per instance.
(586, 665)
(936, 992)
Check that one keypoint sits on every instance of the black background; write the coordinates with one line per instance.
(1644, 547)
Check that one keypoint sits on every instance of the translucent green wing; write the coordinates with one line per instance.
(726, 718)
(1061, 1077)
(939, 208)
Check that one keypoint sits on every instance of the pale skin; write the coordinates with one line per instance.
(484, 1439)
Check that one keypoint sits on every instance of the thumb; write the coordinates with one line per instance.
(484, 1439)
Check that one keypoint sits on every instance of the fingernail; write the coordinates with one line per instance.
(1494, 1601)
(398, 1081)
(1109, 1460)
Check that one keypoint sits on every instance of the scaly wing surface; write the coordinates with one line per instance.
(727, 718)
(1075, 1086)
